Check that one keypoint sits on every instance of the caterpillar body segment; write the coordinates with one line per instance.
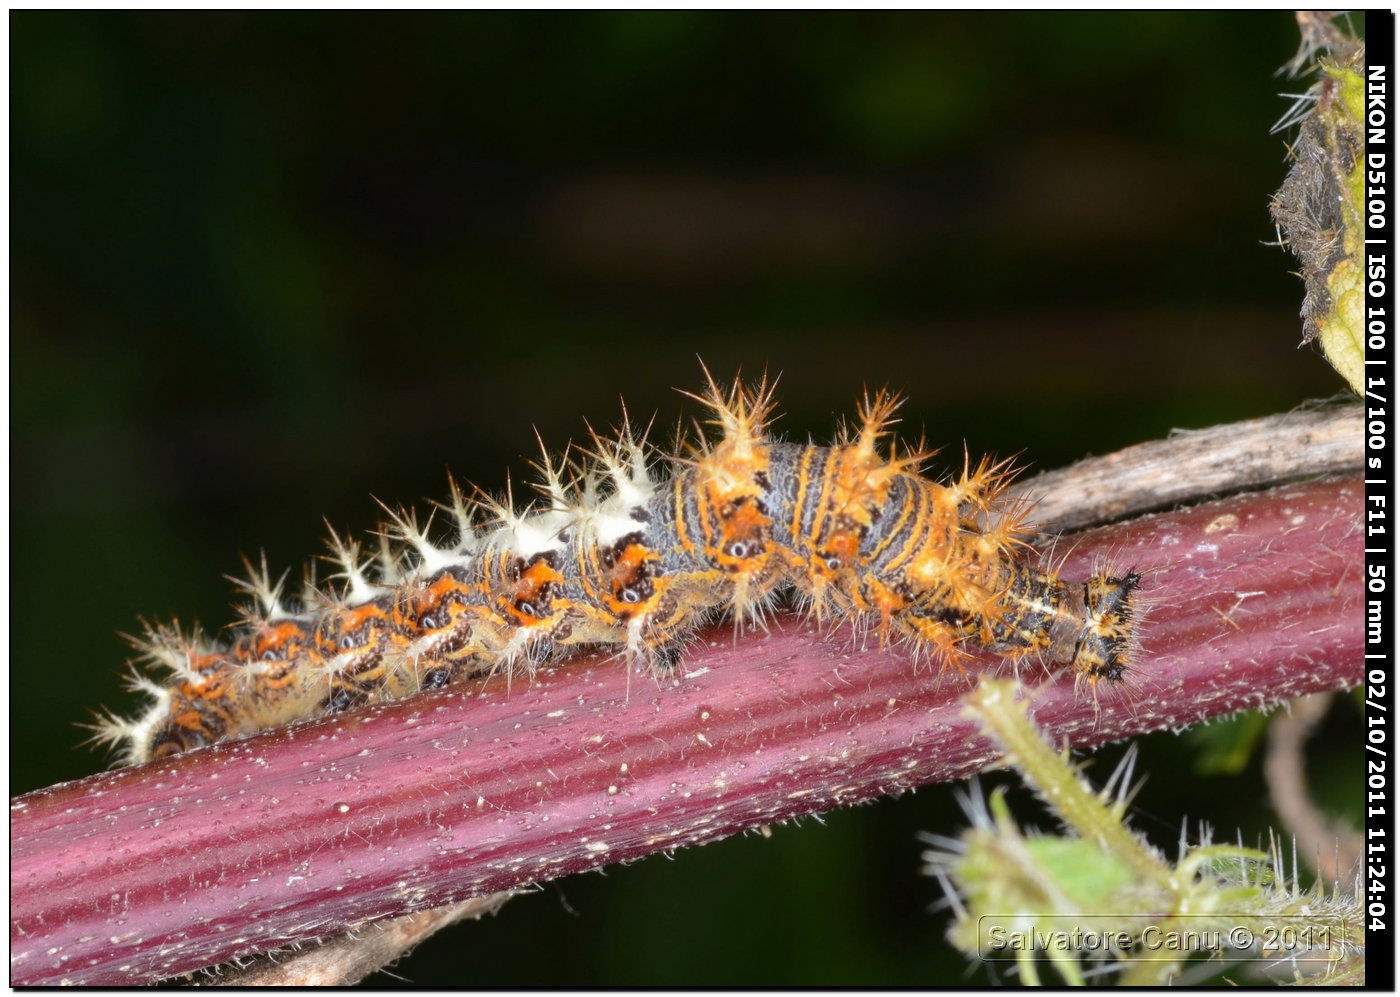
(626, 552)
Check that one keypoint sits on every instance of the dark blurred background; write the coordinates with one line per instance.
(263, 266)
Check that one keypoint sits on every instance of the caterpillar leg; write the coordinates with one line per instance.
(664, 657)
(945, 643)
(194, 716)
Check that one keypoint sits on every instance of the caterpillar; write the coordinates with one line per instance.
(617, 555)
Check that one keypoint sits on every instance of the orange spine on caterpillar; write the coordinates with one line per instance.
(615, 554)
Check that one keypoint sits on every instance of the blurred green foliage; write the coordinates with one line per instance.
(1227, 746)
(263, 265)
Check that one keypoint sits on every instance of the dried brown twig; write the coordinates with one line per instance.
(312, 831)
(350, 958)
(1333, 847)
(1320, 438)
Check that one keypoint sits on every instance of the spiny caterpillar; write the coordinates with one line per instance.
(618, 557)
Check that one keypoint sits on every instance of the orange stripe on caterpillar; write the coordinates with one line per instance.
(619, 555)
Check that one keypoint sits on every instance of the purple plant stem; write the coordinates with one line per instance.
(149, 872)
